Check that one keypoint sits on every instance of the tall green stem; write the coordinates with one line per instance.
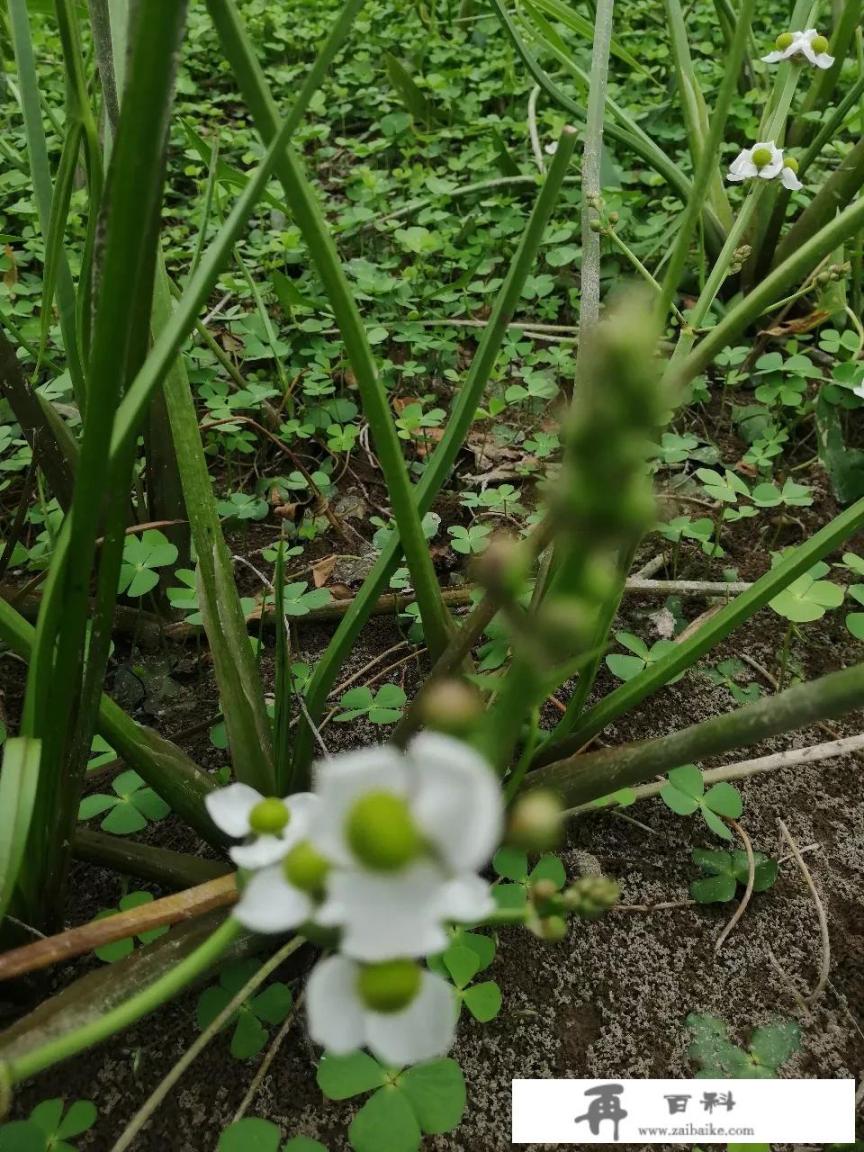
(129, 1012)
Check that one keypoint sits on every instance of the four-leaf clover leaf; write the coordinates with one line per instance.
(132, 807)
(117, 949)
(426, 1098)
(271, 1006)
(142, 557)
(384, 707)
(725, 871)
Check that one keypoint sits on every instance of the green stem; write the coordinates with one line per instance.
(145, 861)
(730, 617)
(129, 1012)
(581, 779)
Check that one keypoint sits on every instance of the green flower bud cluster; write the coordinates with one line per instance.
(739, 258)
(591, 896)
(604, 501)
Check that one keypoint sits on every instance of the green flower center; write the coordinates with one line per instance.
(305, 868)
(820, 44)
(389, 987)
(269, 817)
(761, 157)
(791, 163)
(381, 832)
(783, 41)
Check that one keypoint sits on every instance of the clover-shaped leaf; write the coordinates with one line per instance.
(252, 1134)
(685, 793)
(720, 1058)
(183, 597)
(269, 1007)
(807, 599)
(298, 602)
(143, 556)
(725, 871)
(725, 489)
(426, 1098)
(468, 954)
(640, 657)
(117, 949)
(512, 864)
(49, 1128)
(132, 808)
(384, 707)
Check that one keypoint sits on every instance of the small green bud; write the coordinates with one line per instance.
(791, 163)
(553, 929)
(543, 891)
(595, 225)
(501, 568)
(451, 706)
(591, 896)
(390, 986)
(783, 41)
(823, 278)
(535, 821)
(306, 868)
(269, 817)
(820, 44)
(614, 217)
(381, 832)
(761, 157)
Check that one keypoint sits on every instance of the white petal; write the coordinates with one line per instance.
(386, 916)
(806, 50)
(790, 180)
(229, 808)
(466, 900)
(260, 852)
(427, 1027)
(823, 60)
(340, 781)
(334, 1012)
(859, 391)
(775, 57)
(270, 904)
(458, 803)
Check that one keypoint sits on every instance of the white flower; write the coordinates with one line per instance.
(341, 1019)
(764, 161)
(269, 903)
(859, 391)
(552, 148)
(808, 44)
(406, 833)
(273, 826)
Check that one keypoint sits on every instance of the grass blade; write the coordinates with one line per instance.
(19, 778)
(685, 655)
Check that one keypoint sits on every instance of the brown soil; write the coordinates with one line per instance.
(610, 1001)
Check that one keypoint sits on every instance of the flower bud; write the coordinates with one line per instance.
(553, 929)
(820, 44)
(451, 706)
(390, 986)
(269, 817)
(614, 217)
(501, 568)
(305, 868)
(761, 157)
(535, 821)
(595, 225)
(543, 891)
(591, 896)
(783, 41)
(381, 832)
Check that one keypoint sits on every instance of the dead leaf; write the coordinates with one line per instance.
(322, 570)
(796, 325)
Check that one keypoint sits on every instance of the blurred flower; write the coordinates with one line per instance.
(765, 161)
(271, 903)
(406, 833)
(271, 826)
(399, 1011)
(808, 44)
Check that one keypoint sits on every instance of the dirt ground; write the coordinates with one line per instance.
(610, 1001)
